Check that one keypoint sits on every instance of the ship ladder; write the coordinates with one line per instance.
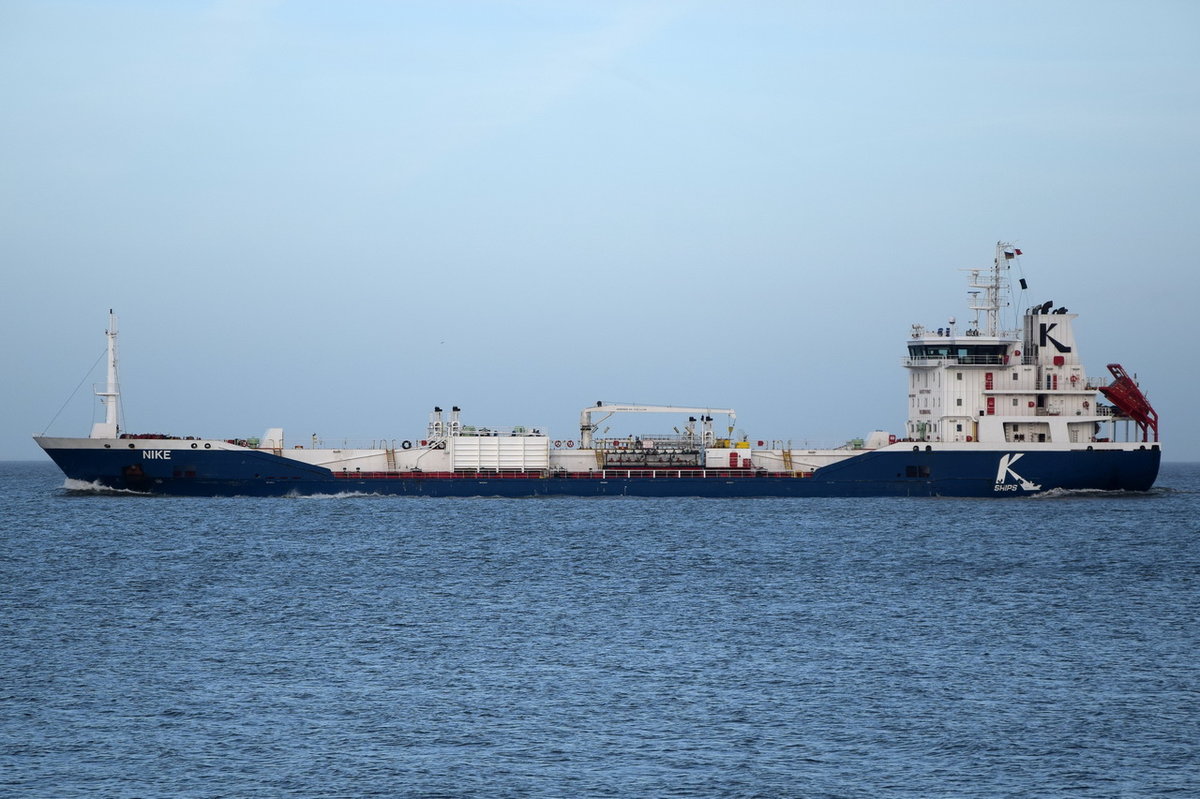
(390, 453)
(599, 458)
(787, 460)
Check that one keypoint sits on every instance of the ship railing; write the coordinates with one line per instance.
(802, 445)
(950, 360)
(416, 442)
(660, 444)
(360, 443)
(517, 430)
(649, 441)
(1099, 410)
(921, 333)
(600, 474)
(667, 445)
(674, 474)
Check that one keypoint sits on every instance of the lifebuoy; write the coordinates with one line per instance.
(1017, 353)
(1074, 378)
(557, 444)
(405, 445)
(1087, 404)
(570, 444)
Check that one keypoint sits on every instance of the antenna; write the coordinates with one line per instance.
(988, 290)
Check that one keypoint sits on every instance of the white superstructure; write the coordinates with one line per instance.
(990, 385)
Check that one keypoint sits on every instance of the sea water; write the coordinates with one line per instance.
(358, 646)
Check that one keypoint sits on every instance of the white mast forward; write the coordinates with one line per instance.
(111, 396)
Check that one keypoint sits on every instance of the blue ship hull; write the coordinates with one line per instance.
(898, 472)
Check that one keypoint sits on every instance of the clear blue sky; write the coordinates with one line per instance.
(332, 216)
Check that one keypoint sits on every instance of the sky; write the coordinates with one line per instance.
(330, 217)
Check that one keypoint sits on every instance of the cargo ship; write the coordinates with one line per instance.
(992, 412)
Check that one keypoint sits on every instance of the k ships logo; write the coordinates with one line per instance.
(1006, 470)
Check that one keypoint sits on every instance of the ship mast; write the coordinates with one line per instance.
(990, 291)
(111, 396)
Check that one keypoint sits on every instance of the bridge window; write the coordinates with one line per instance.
(975, 353)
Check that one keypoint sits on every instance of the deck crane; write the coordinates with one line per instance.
(587, 427)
